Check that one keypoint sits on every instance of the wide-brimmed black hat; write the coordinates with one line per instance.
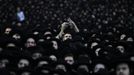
(120, 60)
(100, 60)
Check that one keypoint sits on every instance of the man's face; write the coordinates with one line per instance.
(61, 66)
(94, 44)
(36, 55)
(69, 60)
(122, 69)
(121, 49)
(23, 63)
(130, 39)
(55, 45)
(43, 62)
(97, 51)
(84, 67)
(98, 67)
(122, 36)
(16, 36)
(53, 58)
(8, 30)
(26, 73)
(11, 45)
(3, 63)
(48, 33)
(45, 71)
(30, 42)
(67, 36)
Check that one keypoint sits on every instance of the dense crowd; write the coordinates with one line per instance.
(65, 37)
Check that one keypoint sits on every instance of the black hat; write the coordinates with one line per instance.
(26, 69)
(100, 60)
(44, 58)
(83, 59)
(5, 56)
(24, 56)
(43, 70)
(122, 59)
(122, 43)
(59, 72)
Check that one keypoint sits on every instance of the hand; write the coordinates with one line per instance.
(71, 23)
(64, 25)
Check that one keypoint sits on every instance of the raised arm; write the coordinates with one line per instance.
(73, 25)
(63, 27)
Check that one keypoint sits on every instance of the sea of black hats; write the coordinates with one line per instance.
(28, 30)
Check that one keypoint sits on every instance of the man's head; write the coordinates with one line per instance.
(16, 36)
(93, 44)
(30, 42)
(23, 63)
(42, 63)
(69, 59)
(98, 67)
(8, 30)
(11, 45)
(122, 69)
(55, 45)
(130, 39)
(120, 48)
(26, 73)
(83, 67)
(36, 55)
(122, 36)
(61, 67)
(53, 57)
(3, 63)
(48, 35)
(67, 36)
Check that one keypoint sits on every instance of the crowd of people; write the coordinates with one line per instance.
(66, 37)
